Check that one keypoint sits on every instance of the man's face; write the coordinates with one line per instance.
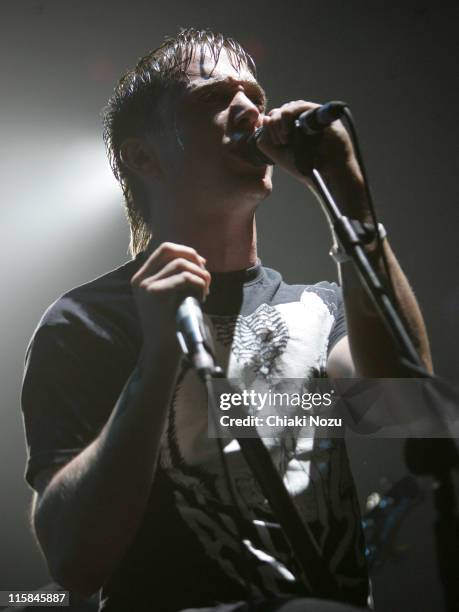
(218, 104)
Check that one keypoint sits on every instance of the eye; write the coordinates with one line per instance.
(259, 102)
(216, 97)
(257, 97)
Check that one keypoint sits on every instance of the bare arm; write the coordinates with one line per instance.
(370, 350)
(371, 345)
(88, 512)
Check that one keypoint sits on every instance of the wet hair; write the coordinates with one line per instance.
(136, 108)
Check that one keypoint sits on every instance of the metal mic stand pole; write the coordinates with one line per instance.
(346, 232)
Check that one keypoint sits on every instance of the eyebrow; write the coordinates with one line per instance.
(251, 87)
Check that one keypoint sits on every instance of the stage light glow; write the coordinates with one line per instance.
(78, 184)
(63, 184)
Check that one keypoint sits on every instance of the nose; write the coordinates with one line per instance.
(245, 115)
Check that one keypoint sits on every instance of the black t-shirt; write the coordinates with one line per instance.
(187, 552)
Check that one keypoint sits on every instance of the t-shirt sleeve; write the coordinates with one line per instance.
(339, 327)
(67, 395)
(332, 296)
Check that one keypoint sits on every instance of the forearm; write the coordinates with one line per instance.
(92, 508)
(373, 348)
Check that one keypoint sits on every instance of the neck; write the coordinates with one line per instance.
(228, 242)
(224, 233)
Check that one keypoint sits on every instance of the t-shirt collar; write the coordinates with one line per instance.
(238, 277)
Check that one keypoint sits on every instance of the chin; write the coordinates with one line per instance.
(251, 192)
(251, 187)
(268, 182)
(263, 185)
(265, 189)
(259, 181)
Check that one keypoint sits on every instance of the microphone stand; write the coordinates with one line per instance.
(437, 457)
(349, 236)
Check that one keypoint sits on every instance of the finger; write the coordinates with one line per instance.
(272, 124)
(168, 251)
(182, 265)
(282, 119)
(183, 283)
(290, 112)
(162, 255)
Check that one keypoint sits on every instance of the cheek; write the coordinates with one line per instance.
(201, 119)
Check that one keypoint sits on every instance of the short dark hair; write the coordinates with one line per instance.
(133, 110)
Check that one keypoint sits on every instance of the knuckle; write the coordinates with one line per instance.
(168, 247)
(187, 276)
(144, 284)
(180, 262)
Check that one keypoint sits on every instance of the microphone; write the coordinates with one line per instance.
(309, 123)
(193, 337)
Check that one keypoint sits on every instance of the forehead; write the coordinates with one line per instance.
(203, 70)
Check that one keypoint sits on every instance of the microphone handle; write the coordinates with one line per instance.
(192, 335)
(189, 320)
(315, 120)
(310, 122)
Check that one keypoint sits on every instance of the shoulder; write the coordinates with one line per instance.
(99, 294)
(95, 309)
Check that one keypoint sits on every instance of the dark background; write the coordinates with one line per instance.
(61, 212)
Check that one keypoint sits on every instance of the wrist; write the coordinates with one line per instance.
(365, 233)
(163, 355)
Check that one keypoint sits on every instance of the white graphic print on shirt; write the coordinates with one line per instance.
(284, 341)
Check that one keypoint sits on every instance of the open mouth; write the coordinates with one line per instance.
(245, 146)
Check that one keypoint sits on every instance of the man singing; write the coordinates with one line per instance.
(130, 494)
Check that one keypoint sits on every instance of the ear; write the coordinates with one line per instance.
(138, 159)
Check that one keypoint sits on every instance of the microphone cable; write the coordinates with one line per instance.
(350, 124)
